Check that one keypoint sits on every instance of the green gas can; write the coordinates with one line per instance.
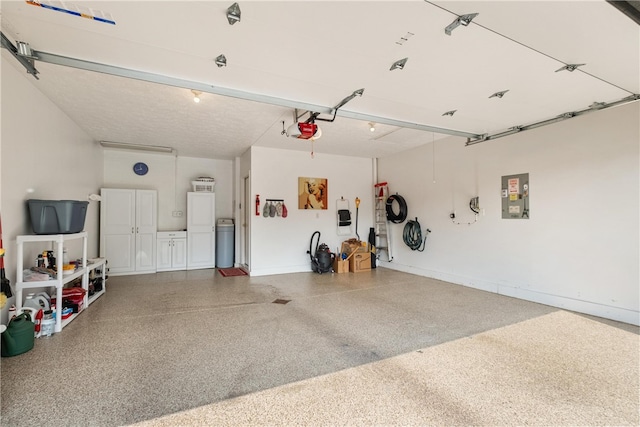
(19, 336)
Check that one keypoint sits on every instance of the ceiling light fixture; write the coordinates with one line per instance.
(372, 127)
(138, 147)
(463, 20)
(221, 61)
(499, 94)
(450, 113)
(233, 14)
(399, 64)
(570, 67)
(196, 95)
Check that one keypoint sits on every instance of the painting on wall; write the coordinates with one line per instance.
(312, 193)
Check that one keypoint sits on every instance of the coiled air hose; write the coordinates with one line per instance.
(402, 204)
(412, 235)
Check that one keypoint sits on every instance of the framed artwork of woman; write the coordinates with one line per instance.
(312, 193)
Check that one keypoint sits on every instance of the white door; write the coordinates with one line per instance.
(117, 229)
(164, 254)
(179, 254)
(201, 241)
(246, 221)
(146, 228)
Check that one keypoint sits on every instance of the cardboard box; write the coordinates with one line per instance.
(353, 245)
(360, 261)
(341, 265)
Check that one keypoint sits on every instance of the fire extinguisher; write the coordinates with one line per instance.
(257, 205)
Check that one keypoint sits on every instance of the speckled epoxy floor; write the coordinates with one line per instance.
(381, 347)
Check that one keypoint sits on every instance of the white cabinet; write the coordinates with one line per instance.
(60, 280)
(128, 226)
(172, 250)
(201, 236)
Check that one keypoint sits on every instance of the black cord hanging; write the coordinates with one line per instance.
(402, 205)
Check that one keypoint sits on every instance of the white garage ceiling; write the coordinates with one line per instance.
(314, 54)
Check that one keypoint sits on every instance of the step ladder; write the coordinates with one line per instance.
(382, 229)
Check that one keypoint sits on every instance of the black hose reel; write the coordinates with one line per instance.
(412, 233)
(402, 205)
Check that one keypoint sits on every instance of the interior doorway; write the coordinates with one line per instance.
(245, 230)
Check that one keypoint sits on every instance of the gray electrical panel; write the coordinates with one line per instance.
(515, 196)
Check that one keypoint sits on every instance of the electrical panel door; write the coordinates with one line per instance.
(515, 196)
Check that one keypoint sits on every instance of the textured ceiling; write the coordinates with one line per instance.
(319, 52)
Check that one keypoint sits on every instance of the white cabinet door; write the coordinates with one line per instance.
(179, 254)
(117, 229)
(164, 254)
(201, 240)
(128, 224)
(172, 250)
(146, 228)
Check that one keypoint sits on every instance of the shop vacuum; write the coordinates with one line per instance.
(322, 259)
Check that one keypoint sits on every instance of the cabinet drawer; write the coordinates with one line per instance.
(171, 234)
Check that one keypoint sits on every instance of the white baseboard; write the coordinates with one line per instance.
(280, 270)
(581, 306)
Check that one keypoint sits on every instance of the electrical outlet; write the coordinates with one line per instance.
(177, 214)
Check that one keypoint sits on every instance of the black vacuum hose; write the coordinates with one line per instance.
(402, 204)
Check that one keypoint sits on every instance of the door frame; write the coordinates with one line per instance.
(245, 230)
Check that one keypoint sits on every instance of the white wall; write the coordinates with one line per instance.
(579, 250)
(172, 177)
(279, 245)
(44, 156)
